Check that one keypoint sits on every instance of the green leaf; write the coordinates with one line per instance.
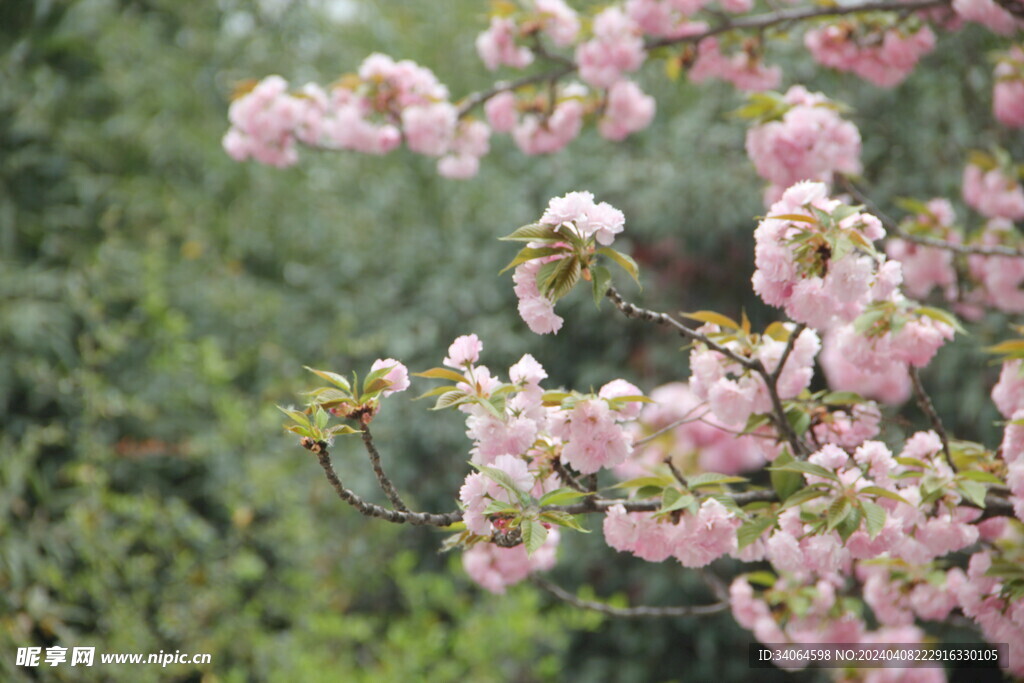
(500, 507)
(842, 398)
(502, 478)
(333, 378)
(601, 280)
(785, 483)
(942, 316)
(534, 232)
(534, 535)
(850, 524)
(874, 517)
(562, 496)
(751, 531)
(529, 254)
(884, 493)
(321, 417)
(623, 260)
(803, 495)
(564, 519)
(798, 217)
(451, 398)
(837, 512)
(1010, 346)
(554, 398)
(342, 429)
(799, 419)
(979, 475)
(805, 468)
(911, 462)
(557, 278)
(973, 491)
(639, 482)
(722, 321)
(713, 479)
(442, 373)
(436, 391)
(672, 499)
(761, 578)
(297, 416)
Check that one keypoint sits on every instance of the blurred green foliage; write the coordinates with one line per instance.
(157, 299)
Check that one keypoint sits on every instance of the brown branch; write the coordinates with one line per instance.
(894, 229)
(758, 22)
(638, 612)
(924, 401)
(685, 419)
(566, 476)
(371, 510)
(635, 312)
(385, 484)
(779, 417)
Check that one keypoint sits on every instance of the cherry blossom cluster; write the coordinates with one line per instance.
(1008, 92)
(744, 68)
(1008, 395)
(886, 521)
(884, 53)
(522, 437)
(678, 426)
(799, 136)
(815, 258)
(373, 112)
(694, 539)
(993, 189)
(990, 14)
(562, 248)
(734, 392)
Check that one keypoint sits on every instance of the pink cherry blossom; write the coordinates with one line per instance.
(810, 142)
(398, 376)
(988, 13)
(1008, 93)
(495, 568)
(616, 49)
(993, 194)
(626, 111)
(884, 57)
(497, 46)
(744, 69)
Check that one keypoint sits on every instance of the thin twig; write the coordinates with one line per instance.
(924, 401)
(385, 484)
(757, 22)
(566, 476)
(779, 416)
(371, 510)
(638, 612)
(685, 419)
(893, 228)
(769, 19)
(675, 472)
(633, 311)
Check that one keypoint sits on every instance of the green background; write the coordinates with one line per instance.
(157, 299)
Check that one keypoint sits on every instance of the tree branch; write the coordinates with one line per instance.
(758, 22)
(779, 417)
(894, 229)
(319, 448)
(767, 20)
(924, 401)
(385, 484)
(638, 612)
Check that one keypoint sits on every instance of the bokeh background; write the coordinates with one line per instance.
(157, 300)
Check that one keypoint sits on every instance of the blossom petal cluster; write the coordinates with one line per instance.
(372, 112)
(882, 55)
(809, 141)
(1008, 92)
(695, 540)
